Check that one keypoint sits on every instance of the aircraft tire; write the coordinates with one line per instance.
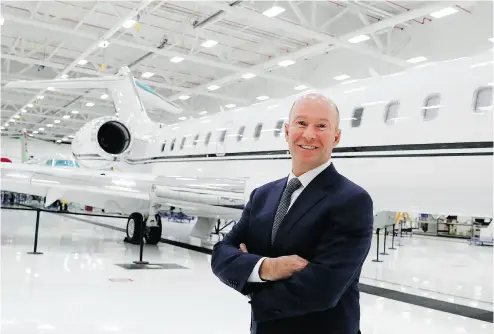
(153, 234)
(134, 226)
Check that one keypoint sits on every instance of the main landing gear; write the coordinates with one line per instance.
(152, 229)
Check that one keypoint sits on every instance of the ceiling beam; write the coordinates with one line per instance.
(323, 47)
(261, 19)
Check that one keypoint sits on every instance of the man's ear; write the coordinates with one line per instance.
(286, 131)
(337, 137)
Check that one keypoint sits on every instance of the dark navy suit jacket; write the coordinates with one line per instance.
(330, 225)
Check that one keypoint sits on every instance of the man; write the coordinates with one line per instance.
(300, 244)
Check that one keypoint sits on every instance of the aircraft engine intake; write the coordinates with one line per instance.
(113, 137)
(102, 143)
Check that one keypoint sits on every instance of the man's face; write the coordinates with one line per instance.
(311, 133)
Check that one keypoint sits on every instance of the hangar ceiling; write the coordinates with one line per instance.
(212, 56)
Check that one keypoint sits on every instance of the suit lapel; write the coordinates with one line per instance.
(310, 196)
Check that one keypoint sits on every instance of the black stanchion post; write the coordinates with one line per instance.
(35, 252)
(143, 226)
(385, 237)
(401, 229)
(393, 239)
(377, 248)
(399, 243)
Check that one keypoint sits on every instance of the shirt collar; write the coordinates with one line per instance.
(307, 177)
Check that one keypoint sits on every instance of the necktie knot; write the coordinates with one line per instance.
(293, 185)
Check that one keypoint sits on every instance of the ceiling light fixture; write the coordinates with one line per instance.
(209, 43)
(230, 105)
(341, 77)
(213, 87)
(103, 44)
(248, 76)
(66, 116)
(23, 110)
(49, 125)
(184, 97)
(301, 87)
(129, 23)
(204, 112)
(444, 12)
(82, 62)
(90, 104)
(104, 96)
(30, 105)
(40, 97)
(176, 59)
(147, 74)
(358, 39)
(56, 121)
(262, 97)
(183, 118)
(273, 11)
(75, 112)
(416, 60)
(286, 63)
(64, 76)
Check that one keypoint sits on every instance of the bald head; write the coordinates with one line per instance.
(320, 100)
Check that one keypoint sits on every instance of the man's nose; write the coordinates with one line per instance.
(309, 133)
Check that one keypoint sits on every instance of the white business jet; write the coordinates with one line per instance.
(418, 141)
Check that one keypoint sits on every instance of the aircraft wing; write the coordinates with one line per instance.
(125, 193)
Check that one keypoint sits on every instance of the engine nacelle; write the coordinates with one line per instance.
(102, 142)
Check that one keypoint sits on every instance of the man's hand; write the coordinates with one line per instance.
(243, 248)
(273, 269)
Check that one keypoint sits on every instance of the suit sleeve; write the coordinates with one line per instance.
(232, 266)
(339, 257)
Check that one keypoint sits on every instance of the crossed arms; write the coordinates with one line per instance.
(296, 286)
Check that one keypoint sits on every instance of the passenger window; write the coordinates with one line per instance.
(431, 107)
(182, 143)
(357, 117)
(483, 100)
(278, 127)
(206, 140)
(391, 112)
(163, 147)
(240, 134)
(257, 131)
(172, 146)
(196, 139)
(222, 136)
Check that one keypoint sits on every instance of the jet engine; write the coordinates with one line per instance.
(102, 142)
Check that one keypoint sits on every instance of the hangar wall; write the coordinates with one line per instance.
(39, 149)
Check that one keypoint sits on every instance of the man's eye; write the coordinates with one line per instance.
(322, 126)
(301, 123)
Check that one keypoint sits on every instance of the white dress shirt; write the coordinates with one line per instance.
(304, 179)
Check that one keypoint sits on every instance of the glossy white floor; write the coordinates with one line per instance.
(76, 286)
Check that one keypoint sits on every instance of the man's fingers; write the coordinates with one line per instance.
(243, 248)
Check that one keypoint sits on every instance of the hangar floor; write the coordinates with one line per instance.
(77, 285)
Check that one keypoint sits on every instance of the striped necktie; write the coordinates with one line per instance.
(293, 185)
